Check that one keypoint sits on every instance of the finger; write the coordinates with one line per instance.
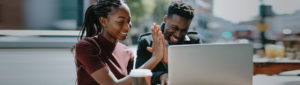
(153, 30)
(163, 82)
(149, 49)
(158, 34)
(166, 82)
(158, 27)
(160, 37)
(154, 33)
(165, 59)
(156, 30)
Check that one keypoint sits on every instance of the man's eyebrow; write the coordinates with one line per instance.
(122, 17)
(173, 25)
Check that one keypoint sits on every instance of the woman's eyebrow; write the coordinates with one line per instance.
(123, 17)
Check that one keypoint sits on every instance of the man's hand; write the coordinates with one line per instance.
(165, 59)
(164, 79)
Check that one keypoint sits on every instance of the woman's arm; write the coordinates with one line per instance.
(105, 77)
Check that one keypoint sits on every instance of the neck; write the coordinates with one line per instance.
(109, 38)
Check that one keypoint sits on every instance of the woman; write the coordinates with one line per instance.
(100, 57)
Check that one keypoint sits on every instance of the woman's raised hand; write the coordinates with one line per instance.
(158, 43)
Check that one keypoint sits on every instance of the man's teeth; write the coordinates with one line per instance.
(123, 33)
(173, 38)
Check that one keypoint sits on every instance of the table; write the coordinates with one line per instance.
(274, 66)
(276, 80)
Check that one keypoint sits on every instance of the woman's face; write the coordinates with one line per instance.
(117, 24)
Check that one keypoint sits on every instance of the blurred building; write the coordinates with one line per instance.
(215, 29)
(11, 14)
(285, 24)
(38, 14)
(203, 13)
(278, 25)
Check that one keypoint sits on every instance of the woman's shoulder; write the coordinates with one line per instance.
(84, 43)
(121, 46)
(124, 48)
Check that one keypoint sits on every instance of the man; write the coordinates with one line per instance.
(175, 30)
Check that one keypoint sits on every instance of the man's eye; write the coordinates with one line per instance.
(121, 22)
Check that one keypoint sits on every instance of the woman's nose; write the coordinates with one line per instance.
(128, 26)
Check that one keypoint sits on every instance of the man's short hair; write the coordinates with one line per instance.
(181, 8)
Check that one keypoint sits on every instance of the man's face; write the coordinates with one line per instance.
(176, 28)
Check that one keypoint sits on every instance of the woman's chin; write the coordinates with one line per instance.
(122, 38)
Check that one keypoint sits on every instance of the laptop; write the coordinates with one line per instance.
(210, 64)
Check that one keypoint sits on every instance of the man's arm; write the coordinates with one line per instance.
(142, 54)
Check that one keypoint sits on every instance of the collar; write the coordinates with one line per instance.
(106, 44)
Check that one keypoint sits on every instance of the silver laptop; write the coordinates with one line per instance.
(210, 64)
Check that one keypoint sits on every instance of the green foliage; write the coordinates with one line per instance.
(142, 9)
(160, 10)
(137, 11)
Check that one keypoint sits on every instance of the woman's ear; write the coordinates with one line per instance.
(103, 21)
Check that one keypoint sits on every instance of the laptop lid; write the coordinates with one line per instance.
(210, 64)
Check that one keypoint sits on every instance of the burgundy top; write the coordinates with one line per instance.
(116, 56)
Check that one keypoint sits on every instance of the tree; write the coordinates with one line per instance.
(137, 11)
(160, 10)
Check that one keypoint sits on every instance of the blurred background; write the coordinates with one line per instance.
(36, 35)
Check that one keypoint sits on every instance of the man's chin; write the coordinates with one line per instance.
(172, 42)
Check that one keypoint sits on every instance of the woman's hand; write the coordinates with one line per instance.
(158, 42)
(157, 48)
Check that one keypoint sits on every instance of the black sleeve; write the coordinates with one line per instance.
(142, 54)
(155, 79)
(195, 39)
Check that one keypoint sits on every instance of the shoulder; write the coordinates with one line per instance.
(123, 47)
(120, 47)
(145, 38)
(84, 44)
(193, 36)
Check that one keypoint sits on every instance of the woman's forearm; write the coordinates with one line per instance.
(125, 81)
(151, 63)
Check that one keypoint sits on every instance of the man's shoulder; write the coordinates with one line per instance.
(193, 36)
(145, 36)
